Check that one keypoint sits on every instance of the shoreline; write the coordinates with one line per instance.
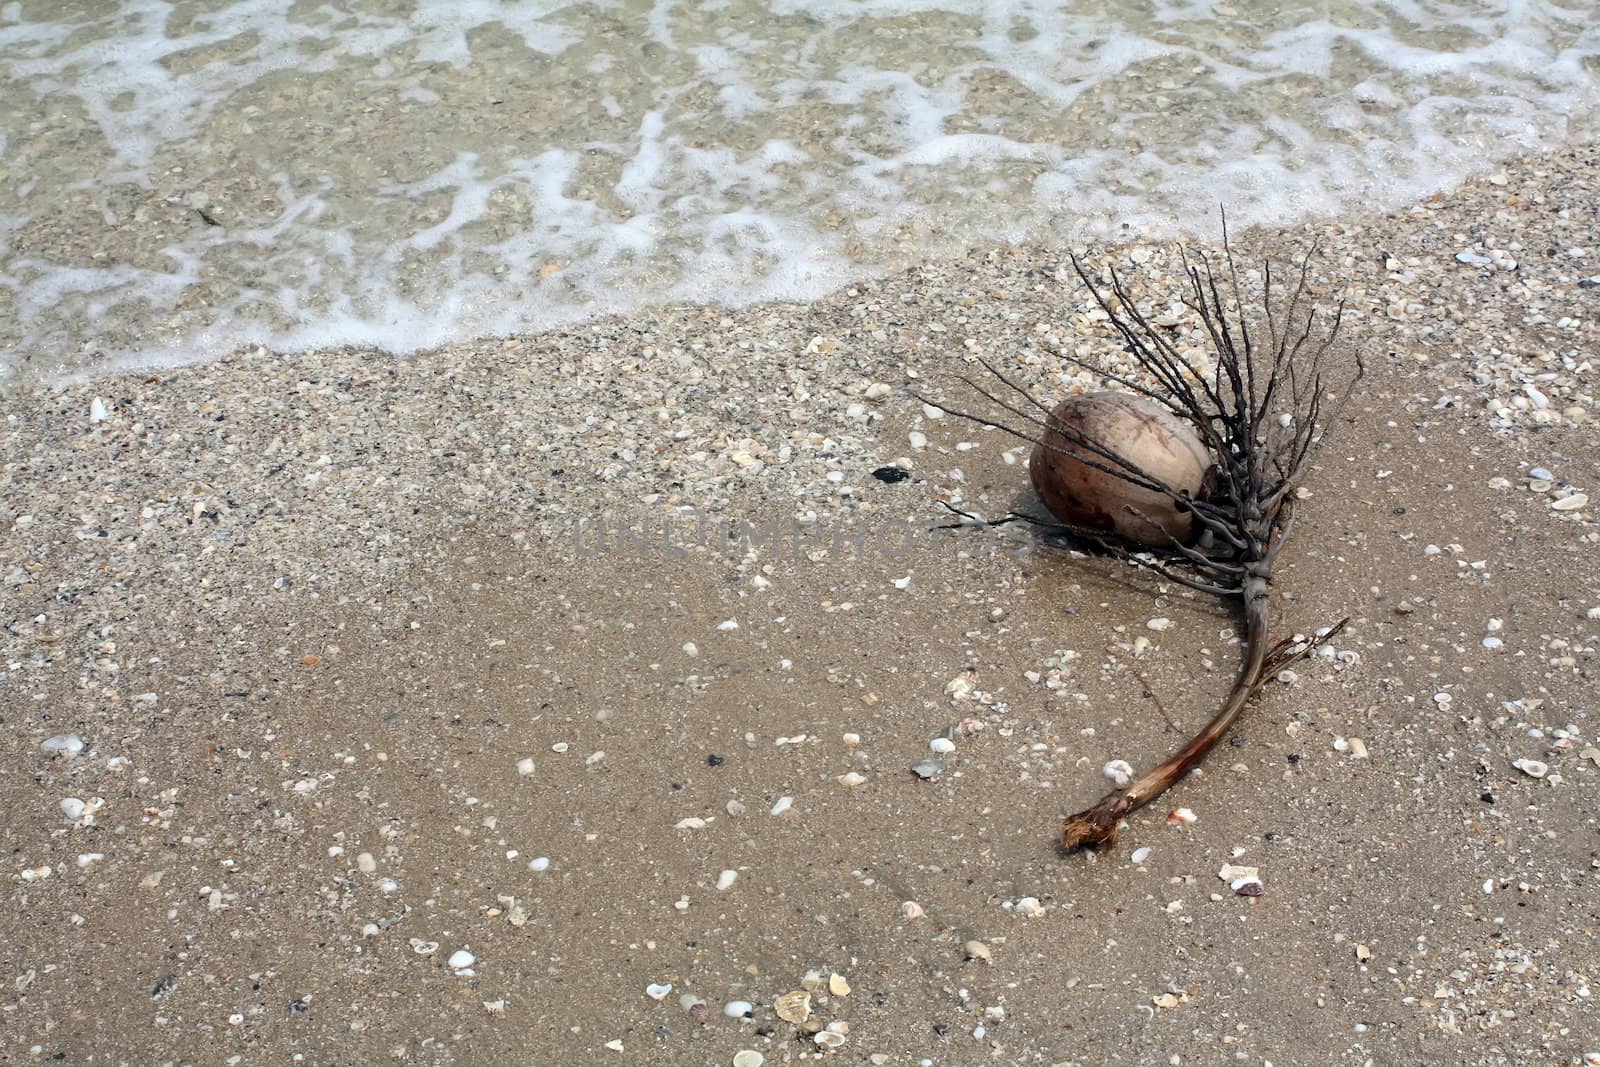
(304, 610)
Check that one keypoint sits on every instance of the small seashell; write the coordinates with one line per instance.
(912, 910)
(525, 766)
(461, 959)
(1539, 474)
(851, 779)
(793, 1007)
(726, 879)
(66, 744)
(1140, 855)
(1118, 772)
(1532, 768)
(942, 746)
(738, 1009)
(783, 805)
(748, 1058)
(838, 985)
(928, 769)
(1030, 908)
(828, 1039)
(657, 991)
(1181, 817)
(73, 808)
(1165, 1000)
(1570, 503)
(977, 950)
(424, 948)
(1540, 485)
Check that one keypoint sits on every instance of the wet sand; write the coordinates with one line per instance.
(309, 614)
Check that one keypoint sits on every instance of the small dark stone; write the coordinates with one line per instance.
(891, 475)
(296, 1006)
(714, 761)
(1398, 511)
(1487, 798)
(1293, 757)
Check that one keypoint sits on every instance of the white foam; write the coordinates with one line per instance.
(729, 152)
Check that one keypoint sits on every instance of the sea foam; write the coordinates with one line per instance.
(177, 181)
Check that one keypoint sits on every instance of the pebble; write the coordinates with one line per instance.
(97, 410)
(738, 1009)
(73, 808)
(525, 766)
(928, 769)
(1158, 624)
(1030, 908)
(1570, 503)
(541, 863)
(852, 779)
(977, 950)
(461, 959)
(67, 744)
(910, 909)
(726, 879)
(366, 864)
(1140, 855)
(783, 805)
(728, 625)
(942, 745)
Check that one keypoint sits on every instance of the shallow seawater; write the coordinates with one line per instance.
(181, 179)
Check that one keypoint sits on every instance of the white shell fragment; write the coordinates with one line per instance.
(793, 1007)
(657, 990)
(726, 879)
(1532, 768)
(942, 745)
(1118, 772)
(748, 1058)
(1245, 881)
(461, 959)
(738, 1009)
(66, 744)
(1570, 503)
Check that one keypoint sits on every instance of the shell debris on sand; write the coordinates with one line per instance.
(793, 1007)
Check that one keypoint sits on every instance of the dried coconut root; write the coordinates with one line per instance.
(1261, 413)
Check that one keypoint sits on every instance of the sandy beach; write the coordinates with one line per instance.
(381, 760)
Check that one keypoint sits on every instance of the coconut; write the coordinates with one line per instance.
(1139, 431)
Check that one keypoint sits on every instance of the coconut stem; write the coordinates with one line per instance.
(1097, 827)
